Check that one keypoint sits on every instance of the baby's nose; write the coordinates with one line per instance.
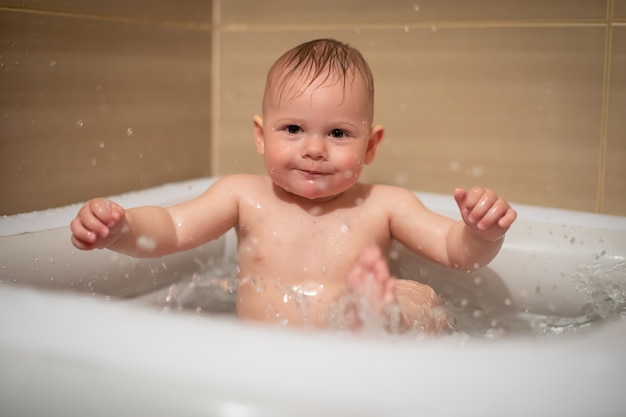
(314, 147)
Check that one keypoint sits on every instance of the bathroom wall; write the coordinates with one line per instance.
(527, 97)
(101, 97)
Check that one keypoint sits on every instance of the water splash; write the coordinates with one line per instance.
(605, 289)
(212, 289)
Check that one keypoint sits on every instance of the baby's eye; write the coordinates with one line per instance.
(293, 129)
(337, 133)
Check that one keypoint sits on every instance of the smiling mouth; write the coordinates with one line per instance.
(311, 174)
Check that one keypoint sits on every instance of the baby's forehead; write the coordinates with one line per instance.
(289, 85)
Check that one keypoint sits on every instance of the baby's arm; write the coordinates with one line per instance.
(476, 240)
(151, 231)
(465, 244)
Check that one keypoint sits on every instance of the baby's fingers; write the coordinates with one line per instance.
(82, 237)
(106, 211)
(94, 221)
(508, 218)
(496, 214)
(478, 203)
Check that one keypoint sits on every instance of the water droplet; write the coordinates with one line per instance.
(146, 243)
(52, 63)
(476, 171)
(129, 131)
(401, 178)
(80, 123)
(344, 228)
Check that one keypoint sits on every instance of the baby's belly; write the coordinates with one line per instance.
(303, 304)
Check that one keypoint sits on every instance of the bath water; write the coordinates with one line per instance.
(213, 288)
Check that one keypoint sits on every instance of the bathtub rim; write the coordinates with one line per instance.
(504, 370)
(173, 192)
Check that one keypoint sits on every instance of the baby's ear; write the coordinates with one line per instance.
(377, 135)
(259, 138)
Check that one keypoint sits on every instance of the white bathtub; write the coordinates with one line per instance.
(77, 338)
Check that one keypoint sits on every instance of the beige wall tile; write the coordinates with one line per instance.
(615, 178)
(98, 107)
(287, 13)
(513, 109)
(502, 93)
(161, 11)
(619, 9)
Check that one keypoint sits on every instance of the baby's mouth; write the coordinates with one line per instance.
(312, 173)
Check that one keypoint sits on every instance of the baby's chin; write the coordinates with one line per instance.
(314, 196)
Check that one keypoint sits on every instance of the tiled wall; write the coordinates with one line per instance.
(101, 97)
(527, 97)
(509, 94)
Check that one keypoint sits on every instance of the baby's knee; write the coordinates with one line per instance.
(422, 307)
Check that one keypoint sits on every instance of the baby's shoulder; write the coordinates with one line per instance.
(238, 185)
(242, 181)
(389, 193)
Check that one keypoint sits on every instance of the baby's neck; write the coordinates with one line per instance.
(312, 205)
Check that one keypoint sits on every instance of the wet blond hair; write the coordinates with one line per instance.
(317, 60)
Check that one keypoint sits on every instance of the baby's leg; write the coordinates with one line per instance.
(420, 307)
(369, 278)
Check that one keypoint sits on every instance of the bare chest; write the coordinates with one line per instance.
(295, 244)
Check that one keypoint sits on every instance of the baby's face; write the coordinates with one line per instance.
(316, 143)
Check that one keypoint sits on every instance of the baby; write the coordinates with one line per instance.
(309, 233)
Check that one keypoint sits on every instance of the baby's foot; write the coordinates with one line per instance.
(422, 309)
(370, 281)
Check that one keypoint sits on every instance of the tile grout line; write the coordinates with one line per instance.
(111, 18)
(216, 52)
(243, 27)
(604, 122)
(240, 27)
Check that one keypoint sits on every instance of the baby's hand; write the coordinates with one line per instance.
(97, 224)
(485, 212)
